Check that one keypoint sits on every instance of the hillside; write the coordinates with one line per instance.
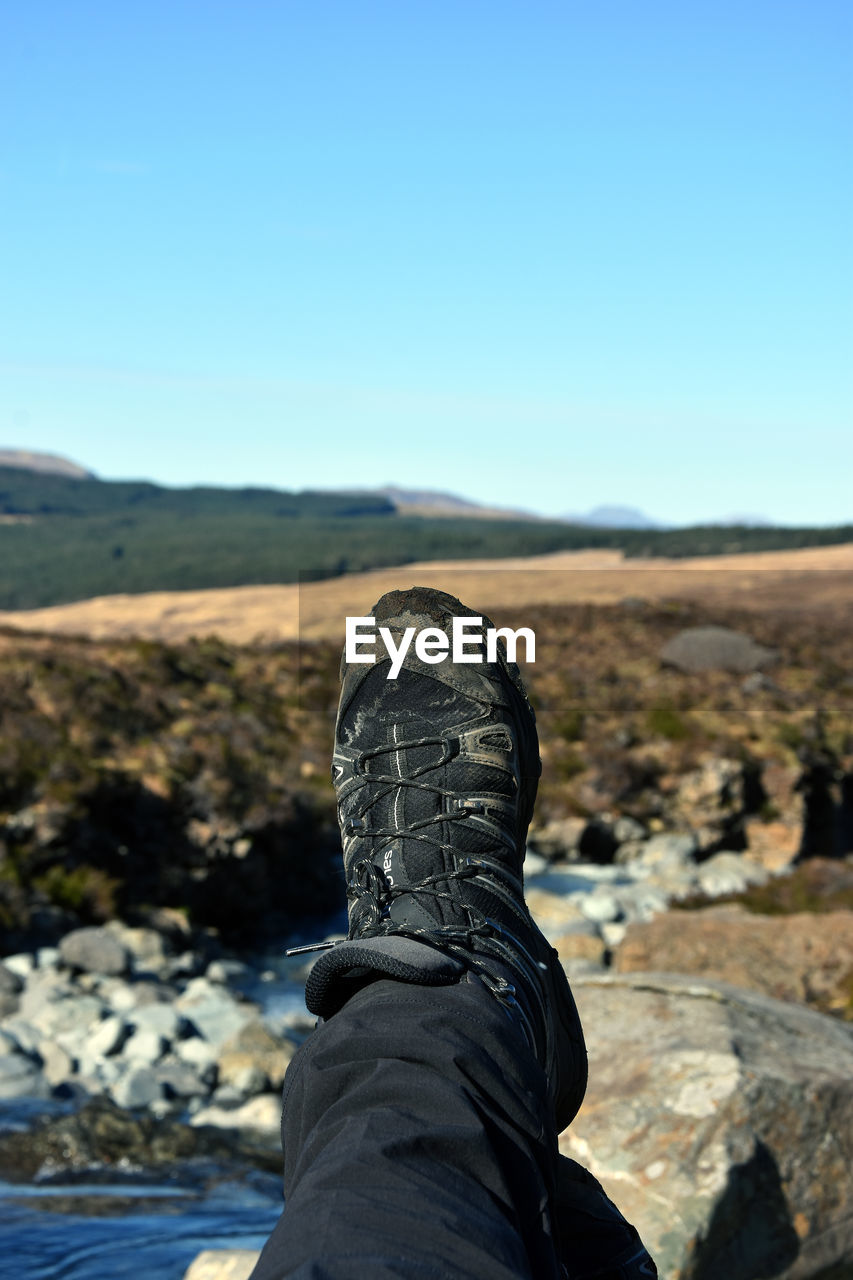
(65, 539)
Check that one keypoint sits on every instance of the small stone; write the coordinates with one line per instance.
(21, 964)
(24, 1034)
(668, 850)
(627, 828)
(10, 982)
(251, 1080)
(21, 1077)
(262, 1113)
(48, 957)
(94, 950)
(613, 933)
(180, 1081)
(57, 1063)
(534, 864)
(213, 1011)
(225, 971)
(196, 1052)
(145, 1046)
(108, 1037)
(161, 1018)
(138, 1087)
(600, 906)
(730, 873)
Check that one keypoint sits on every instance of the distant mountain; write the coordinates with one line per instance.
(434, 502)
(614, 518)
(48, 464)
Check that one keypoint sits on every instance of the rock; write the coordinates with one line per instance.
(254, 1047)
(145, 1046)
(108, 1037)
(262, 1113)
(644, 901)
(223, 1264)
(48, 958)
(25, 1035)
(21, 964)
(667, 850)
(554, 913)
(580, 952)
(534, 864)
(10, 985)
(160, 1018)
(94, 950)
(774, 844)
(21, 1077)
(250, 1080)
(179, 1080)
(226, 971)
(729, 873)
(147, 948)
(613, 933)
(57, 1012)
(197, 1053)
(721, 1123)
(600, 906)
(716, 649)
(558, 839)
(803, 957)
(138, 1087)
(57, 1063)
(626, 828)
(213, 1011)
(10, 982)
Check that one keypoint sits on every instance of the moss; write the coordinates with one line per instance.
(570, 725)
(87, 891)
(664, 720)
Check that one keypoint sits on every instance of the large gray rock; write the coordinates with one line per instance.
(716, 649)
(94, 951)
(721, 1123)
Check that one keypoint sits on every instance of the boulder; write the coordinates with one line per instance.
(803, 957)
(94, 950)
(716, 649)
(721, 1123)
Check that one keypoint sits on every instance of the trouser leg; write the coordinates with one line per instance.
(418, 1142)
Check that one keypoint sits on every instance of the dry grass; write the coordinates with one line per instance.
(816, 580)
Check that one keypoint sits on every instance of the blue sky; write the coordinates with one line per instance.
(546, 255)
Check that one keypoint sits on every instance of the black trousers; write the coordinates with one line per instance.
(418, 1142)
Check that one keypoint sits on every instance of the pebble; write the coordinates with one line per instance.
(171, 1033)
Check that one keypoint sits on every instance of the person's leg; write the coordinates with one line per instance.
(414, 1144)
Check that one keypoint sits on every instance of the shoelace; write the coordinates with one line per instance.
(477, 942)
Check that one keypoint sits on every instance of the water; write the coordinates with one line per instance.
(152, 1244)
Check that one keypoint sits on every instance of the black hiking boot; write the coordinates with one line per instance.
(436, 773)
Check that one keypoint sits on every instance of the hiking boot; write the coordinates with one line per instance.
(436, 772)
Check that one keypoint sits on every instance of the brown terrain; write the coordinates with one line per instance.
(817, 579)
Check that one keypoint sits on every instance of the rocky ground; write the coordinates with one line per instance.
(166, 821)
